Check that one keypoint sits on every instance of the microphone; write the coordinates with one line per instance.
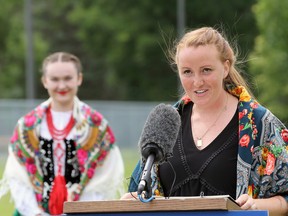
(156, 142)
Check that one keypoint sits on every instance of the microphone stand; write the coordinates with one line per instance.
(144, 191)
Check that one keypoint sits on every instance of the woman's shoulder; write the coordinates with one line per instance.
(265, 115)
(32, 118)
(93, 116)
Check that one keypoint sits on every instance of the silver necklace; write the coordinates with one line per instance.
(199, 141)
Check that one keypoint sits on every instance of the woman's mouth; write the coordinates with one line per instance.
(200, 91)
(62, 92)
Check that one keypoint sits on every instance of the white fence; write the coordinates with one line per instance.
(126, 118)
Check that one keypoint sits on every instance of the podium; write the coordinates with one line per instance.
(180, 206)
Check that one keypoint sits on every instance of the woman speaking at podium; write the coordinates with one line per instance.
(228, 143)
(63, 150)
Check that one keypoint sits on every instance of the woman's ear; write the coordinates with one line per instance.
(80, 79)
(43, 80)
(227, 66)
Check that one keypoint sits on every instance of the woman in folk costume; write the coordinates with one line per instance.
(63, 150)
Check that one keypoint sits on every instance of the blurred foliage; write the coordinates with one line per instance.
(269, 60)
(121, 43)
(12, 49)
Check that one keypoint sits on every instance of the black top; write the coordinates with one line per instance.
(211, 171)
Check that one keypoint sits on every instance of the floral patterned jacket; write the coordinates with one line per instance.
(93, 140)
(262, 166)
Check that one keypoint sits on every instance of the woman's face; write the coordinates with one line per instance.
(61, 80)
(202, 73)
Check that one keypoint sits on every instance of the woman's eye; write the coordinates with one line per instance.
(186, 71)
(68, 78)
(207, 70)
(54, 79)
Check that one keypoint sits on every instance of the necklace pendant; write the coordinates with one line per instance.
(199, 142)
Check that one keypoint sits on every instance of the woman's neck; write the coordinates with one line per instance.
(61, 107)
(212, 109)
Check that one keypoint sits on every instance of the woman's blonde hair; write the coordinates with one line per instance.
(62, 57)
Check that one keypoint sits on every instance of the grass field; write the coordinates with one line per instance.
(130, 157)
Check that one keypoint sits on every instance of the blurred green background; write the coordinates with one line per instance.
(123, 45)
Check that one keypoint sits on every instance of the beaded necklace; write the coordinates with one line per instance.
(58, 135)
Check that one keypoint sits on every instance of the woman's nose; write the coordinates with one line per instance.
(198, 81)
(62, 84)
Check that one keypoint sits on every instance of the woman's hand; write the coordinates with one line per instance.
(129, 196)
(277, 205)
(246, 202)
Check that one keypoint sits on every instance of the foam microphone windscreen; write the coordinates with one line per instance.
(160, 130)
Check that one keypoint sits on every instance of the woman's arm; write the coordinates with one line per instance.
(20, 188)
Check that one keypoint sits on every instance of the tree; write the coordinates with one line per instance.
(270, 58)
(122, 43)
(13, 45)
